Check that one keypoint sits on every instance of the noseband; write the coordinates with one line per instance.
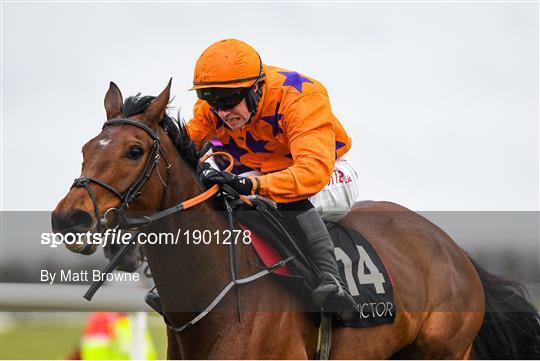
(133, 191)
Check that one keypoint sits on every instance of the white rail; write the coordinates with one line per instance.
(44, 297)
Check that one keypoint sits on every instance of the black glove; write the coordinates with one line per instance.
(242, 185)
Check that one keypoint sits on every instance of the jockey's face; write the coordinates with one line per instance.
(237, 116)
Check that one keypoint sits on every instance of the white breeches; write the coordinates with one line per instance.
(336, 199)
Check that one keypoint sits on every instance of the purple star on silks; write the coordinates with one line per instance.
(273, 121)
(256, 146)
(239, 169)
(339, 144)
(216, 142)
(294, 79)
(234, 149)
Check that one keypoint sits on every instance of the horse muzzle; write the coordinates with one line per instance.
(75, 225)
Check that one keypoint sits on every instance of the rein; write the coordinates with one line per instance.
(126, 198)
(125, 222)
(144, 221)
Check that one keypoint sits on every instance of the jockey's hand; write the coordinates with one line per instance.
(242, 185)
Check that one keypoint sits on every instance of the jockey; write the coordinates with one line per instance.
(279, 125)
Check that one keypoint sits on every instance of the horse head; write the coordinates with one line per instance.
(124, 168)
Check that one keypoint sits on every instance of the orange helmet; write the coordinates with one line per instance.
(228, 63)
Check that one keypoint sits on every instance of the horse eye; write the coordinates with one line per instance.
(135, 152)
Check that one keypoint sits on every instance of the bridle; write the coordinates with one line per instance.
(152, 162)
(126, 198)
(133, 191)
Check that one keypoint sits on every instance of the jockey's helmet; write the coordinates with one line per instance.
(227, 72)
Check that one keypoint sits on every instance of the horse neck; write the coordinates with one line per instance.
(197, 270)
(188, 278)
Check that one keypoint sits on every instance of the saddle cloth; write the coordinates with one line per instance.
(359, 265)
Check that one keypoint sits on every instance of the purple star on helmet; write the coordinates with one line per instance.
(294, 79)
(339, 144)
(234, 149)
(256, 146)
(273, 121)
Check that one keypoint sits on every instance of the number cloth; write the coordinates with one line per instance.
(293, 140)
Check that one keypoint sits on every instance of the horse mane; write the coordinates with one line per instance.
(175, 128)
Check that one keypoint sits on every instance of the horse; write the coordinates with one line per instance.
(447, 305)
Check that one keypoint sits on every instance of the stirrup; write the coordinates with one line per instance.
(341, 291)
(153, 300)
(328, 290)
(341, 303)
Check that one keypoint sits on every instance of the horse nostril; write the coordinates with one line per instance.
(80, 219)
(60, 222)
(71, 221)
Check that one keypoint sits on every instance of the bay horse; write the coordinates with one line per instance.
(447, 306)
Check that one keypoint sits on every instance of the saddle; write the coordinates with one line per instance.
(371, 286)
(359, 264)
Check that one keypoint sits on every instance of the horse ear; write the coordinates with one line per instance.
(156, 110)
(113, 102)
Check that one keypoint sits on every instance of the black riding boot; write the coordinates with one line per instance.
(332, 294)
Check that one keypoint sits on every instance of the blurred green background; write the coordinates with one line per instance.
(55, 335)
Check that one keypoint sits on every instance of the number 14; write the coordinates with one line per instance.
(374, 277)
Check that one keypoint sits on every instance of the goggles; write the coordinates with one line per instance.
(223, 98)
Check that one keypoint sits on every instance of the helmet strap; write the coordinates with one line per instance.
(253, 98)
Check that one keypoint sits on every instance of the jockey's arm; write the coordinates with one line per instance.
(201, 128)
(311, 134)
